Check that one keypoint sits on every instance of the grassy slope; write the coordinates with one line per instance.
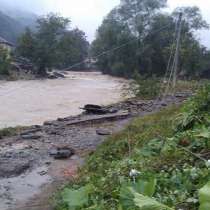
(151, 146)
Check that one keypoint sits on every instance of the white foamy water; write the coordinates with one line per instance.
(33, 102)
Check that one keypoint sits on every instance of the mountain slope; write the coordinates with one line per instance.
(12, 25)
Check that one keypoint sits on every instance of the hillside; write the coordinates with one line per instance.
(12, 26)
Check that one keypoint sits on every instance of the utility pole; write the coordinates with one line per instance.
(176, 58)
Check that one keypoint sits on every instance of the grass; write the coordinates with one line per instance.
(171, 147)
(151, 88)
(8, 132)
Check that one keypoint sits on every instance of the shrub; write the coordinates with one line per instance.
(4, 61)
(146, 88)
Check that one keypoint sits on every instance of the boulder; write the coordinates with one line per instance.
(62, 152)
(103, 132)
(96, 109)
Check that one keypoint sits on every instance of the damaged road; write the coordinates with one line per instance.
(35, 162)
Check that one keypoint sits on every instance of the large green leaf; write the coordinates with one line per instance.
(145, 187)
(204, 197)
(147, 203)
(76, 198)
(133, 196)
(205, 133)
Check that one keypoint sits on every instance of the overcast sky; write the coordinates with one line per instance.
(88, 14)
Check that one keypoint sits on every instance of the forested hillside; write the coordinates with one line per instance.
(13, 25)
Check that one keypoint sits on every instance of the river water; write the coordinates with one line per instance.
(35, 101)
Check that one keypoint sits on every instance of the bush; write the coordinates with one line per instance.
(146, 88)
(4, 61)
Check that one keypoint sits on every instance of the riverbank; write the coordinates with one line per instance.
(27, 169)
(160, 161)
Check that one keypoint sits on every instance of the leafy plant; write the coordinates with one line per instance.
(4, 61)
(76, 198)
(204, 197)
(140, 195)
(145, 87)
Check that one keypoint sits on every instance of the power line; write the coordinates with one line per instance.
(172, 80)
(115, 48)
(176, 59)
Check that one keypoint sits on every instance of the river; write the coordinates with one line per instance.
(24, 103)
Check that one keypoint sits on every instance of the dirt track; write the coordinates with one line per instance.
(29, 175)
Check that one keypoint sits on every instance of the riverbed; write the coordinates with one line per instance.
(24, 103)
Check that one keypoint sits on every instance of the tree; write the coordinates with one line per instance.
(153, 38)
(73, 48)
(110, 35)
(27, 43)
(47, 38)
(53, 45)
(4, 61)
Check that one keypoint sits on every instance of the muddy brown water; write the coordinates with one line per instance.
(31, 187)
(33, 102)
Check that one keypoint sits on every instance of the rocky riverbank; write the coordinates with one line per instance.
(27, 167)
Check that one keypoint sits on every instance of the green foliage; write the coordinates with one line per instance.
(147, 49)
(172, 165)
(195, 110)
(145, 87)
(147, 203)
(76, 198)
(53, 45)
(139, 195)
(4, 61)
(7, 132)
(204, 197)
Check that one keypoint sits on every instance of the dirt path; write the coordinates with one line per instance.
(29, 175)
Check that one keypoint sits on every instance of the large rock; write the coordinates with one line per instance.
(103, 132)
(61, 152)
(96, 109)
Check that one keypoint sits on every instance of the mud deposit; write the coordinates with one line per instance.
(30, 175)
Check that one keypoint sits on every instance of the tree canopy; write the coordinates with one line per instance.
(53, 44)
(138, 23)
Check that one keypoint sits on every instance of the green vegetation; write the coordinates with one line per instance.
(53, 44)
(150, 87)
(147, 48)
(4, 61)
(7, 132)
(160, 161)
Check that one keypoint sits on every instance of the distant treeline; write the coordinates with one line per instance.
(53, 44)
(149, 52)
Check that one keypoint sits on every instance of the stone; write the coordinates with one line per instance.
(58, 75)
(31, 136)
(61, 153)
(103, 132)
(42, 173)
